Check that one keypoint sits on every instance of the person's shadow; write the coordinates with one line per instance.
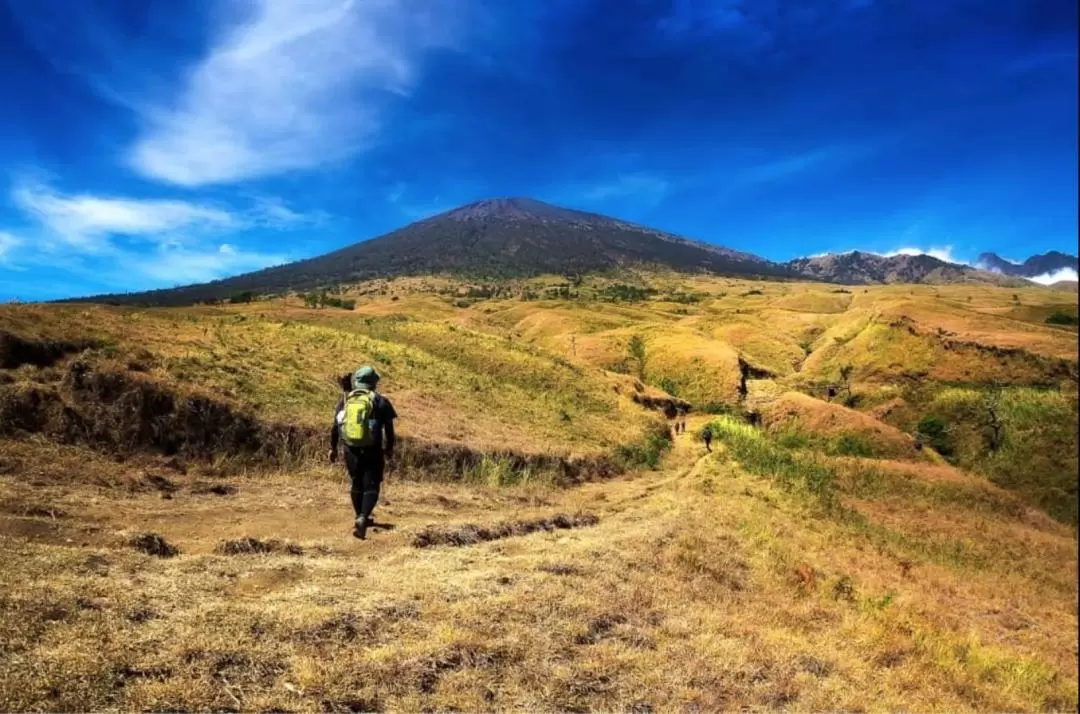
(379, 526)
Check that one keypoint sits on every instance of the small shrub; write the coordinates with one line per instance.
(793, 439)
(153, 544)
(755, 291)
(852, 400)
(244, 297)
(646, 454)
(669, 385)
(851, 445)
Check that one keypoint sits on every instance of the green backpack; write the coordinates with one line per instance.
(358, 427)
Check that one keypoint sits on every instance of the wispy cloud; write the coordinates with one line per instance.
(87, 221)
(8, 243)
(648, 188)
(1055, 277)
(143, 243)
(798, 164)
(944, 253)
(299, 85)
(171, 266)
(272, 212)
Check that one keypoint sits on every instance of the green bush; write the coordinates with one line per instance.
(647, 453)
(935, 432)
(669, 385)
(242, 298)
(1062, 318)
(851, 445)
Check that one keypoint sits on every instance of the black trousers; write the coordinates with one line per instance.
(366, 473)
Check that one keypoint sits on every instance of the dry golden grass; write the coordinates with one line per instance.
(700, 586)
(705, 584)
(799, 414)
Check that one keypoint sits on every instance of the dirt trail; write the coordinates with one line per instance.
(694, 563)
(313, 511)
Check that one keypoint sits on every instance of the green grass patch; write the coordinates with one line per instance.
(800, 473)
(1022, 439)
(646, 453)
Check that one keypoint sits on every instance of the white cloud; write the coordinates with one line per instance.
(272, 212)
(828, 253)
(299, 85)
(640, 186)
(142, 243)
(170, 266)
(86, 221)
(941, 253)
(1055, 277)
(8, 243)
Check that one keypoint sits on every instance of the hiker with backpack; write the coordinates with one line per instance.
(706, 434)
(364, 421)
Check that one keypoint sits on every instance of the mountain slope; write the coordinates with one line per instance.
(513, 237)
(857, 268)
(1034, 266)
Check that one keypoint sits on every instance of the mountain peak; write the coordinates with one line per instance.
(515, 208)
(1036, 265)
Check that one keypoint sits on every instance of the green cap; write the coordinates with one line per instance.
(366, 375)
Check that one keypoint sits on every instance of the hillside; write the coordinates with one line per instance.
(886, 519)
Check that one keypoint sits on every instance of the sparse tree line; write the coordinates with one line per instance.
(325, 299)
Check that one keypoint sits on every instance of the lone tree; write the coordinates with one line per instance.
(638, 355)
(845, 377)
(994, 427)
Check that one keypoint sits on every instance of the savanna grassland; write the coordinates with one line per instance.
(886, 521)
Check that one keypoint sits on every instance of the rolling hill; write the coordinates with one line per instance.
(886, 518)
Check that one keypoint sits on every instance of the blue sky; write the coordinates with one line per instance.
(153, 144)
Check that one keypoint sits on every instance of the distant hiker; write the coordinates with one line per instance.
(364, 420)
(706, 434)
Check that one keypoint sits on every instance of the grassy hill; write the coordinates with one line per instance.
(887, 518)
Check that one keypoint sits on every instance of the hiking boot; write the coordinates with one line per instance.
(360, 528)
